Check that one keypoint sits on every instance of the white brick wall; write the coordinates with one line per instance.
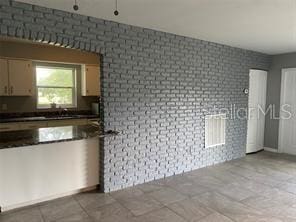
(155, 87)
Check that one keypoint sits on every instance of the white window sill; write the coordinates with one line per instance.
(58, 107)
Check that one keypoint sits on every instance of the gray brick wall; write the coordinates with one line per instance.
(155, 88)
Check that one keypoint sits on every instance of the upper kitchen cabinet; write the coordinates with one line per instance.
(20, 77)
(3, 77)
(90, 80)
(16, 77)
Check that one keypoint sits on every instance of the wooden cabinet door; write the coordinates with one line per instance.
(3, 77)
(33, 125)
(91, 80)
(20, 77)
(4, 127)
(70, 122)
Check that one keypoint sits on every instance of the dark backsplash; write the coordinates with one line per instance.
(47, 113)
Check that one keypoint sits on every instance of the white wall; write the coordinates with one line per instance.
(35, 173)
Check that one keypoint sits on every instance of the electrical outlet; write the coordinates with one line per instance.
(4, 106)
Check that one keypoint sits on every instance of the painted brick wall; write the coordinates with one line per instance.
(156, 86)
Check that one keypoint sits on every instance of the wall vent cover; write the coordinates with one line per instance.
(215, 130)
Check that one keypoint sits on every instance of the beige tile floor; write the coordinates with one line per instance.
(259, 187)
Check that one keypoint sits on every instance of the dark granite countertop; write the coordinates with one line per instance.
(46, 118)
(23, 138)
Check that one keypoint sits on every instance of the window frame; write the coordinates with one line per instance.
(74, 87)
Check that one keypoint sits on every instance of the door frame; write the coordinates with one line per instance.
(281, 127)
(248, 120)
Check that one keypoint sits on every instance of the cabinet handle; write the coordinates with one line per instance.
(11, 90)
(5, 90)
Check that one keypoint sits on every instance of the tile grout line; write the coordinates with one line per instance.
(43, 218)
(84, 210)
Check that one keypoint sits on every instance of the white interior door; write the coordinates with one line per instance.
(287, 130)
(257, 103)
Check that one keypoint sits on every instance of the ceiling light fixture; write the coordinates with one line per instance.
(75, 6)
(116, 12)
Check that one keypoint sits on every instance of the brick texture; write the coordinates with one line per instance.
(155, 89)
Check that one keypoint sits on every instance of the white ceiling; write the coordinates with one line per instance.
(267, 26)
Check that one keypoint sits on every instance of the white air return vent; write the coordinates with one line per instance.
(215, 130)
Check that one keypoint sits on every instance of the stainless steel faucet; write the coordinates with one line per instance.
(63, 112)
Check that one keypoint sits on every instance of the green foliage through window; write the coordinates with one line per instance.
(55, 85)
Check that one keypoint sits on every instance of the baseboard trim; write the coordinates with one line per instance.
(258, 151)
(271, 150)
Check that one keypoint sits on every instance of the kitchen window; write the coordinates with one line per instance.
(56, 86)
